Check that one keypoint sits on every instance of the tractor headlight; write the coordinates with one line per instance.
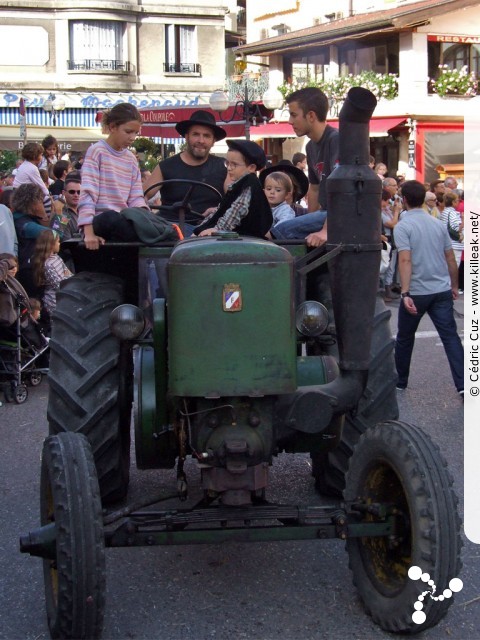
(311, 318)
(127, 322)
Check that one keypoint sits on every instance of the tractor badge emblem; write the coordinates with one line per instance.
(232, 297)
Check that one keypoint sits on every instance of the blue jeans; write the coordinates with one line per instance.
(439, 307)
(188, 229)
(299, 228)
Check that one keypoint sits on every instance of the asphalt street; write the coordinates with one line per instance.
(261, 591)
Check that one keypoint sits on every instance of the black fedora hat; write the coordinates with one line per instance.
(206, 119)
(294, 172)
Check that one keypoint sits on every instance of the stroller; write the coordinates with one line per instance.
(23, 351)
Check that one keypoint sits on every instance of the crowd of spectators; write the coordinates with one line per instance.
(292, 192)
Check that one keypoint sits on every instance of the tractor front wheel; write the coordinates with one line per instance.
(397, 466)
(70, 498)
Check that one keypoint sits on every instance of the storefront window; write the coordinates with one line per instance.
(442, 148)
(379, 56)
(306, 68)
(454, 54)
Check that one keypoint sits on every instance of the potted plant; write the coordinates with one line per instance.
(382, 85)
(455, 82)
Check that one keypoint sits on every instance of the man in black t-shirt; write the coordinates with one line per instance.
(193, 163)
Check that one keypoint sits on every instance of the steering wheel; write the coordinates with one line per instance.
(183, 207)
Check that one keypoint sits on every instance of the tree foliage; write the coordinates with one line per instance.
(8, 160)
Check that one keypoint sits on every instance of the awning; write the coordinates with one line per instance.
(379, 127)
(160, 123)
(69, 138)
(273, 130)
(171, 141)
(234, 130)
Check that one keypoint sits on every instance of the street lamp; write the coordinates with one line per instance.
(52, 105)
(245, 109)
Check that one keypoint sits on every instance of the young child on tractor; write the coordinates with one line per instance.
(244, 208)
(278, 188)
(111, 178)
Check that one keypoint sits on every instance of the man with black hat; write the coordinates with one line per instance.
(193, 163)
(245, 208)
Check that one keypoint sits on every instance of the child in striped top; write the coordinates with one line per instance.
(110, 173)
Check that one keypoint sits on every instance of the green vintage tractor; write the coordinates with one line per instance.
(231, 350)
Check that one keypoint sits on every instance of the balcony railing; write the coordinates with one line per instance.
(99, 65)
(181, 67)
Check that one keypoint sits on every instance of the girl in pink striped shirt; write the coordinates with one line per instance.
(110, 173)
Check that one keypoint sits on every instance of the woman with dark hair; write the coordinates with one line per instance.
(30, 220)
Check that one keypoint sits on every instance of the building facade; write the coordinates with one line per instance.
(70, 60)
(418, 132)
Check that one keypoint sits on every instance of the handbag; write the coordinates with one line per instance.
(453, 233)
(392, 240)
(385, 257)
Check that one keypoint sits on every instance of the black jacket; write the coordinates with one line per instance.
(259, 217)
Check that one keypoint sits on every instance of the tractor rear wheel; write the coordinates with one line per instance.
(90, 377)
(377, 404)
(397, 465)
(70, 499)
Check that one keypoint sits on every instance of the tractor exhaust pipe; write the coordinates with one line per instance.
(354, 223)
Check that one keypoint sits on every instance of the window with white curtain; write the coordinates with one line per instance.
(97, 41)
(181, 48)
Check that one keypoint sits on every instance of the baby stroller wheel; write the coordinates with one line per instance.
(8, 391)
(20, 394)
(35, 378)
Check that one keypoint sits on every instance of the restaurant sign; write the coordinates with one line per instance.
(454, 38)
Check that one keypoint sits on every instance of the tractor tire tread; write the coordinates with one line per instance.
(76, 609)
(84, 376)
(436, 543)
